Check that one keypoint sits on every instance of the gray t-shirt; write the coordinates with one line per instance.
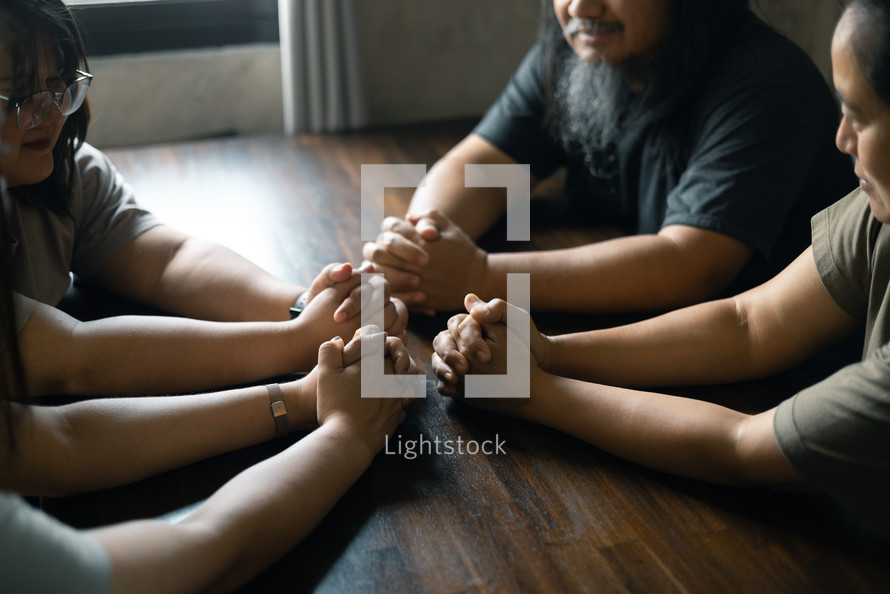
(47, 246)
(837, 432)
(39, 554)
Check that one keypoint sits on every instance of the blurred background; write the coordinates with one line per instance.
(173, 70)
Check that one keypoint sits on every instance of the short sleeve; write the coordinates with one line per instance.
(762, 131)
(39, 554)
(837, 435)
(515, 123)
(841, 235)
(106, 213)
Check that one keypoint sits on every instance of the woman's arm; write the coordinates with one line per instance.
(261, 513)
(107, 442)
(680, 436)
(131, 355)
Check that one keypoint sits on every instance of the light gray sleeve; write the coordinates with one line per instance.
(837, 435)
(105, 211)
(39, 554)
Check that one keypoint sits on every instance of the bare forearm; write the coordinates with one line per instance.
(634, 273)
(474, 210)
(250, 522)
(704, 344)
(676, 435)
(107, 442)
(156, 355)
(210, 282)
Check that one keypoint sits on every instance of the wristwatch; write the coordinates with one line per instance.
(299, 305)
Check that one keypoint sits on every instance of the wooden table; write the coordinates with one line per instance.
(552, 514)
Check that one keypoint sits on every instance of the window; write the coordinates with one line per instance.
(127, 26)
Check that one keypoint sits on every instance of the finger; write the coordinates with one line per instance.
(399, 323)
(486, 313)
(379, 254)
(329, 276)
(472, 339)
(352, 352)
(444, 372)
(330, 354)
(429, 223)
(401, 247)
(448, 352)
(401, 360)
(402, 227)
(443, 386)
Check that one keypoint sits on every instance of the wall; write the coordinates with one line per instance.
(429, 60)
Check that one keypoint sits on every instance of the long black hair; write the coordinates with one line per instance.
(49, 25)
(871, 45)
(702, 31)
(12, 377)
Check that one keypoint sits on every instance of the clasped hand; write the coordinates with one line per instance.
(428, 260)
(337, 298)
(476, 342)
(338, 378)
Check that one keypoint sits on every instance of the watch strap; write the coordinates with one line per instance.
(279, 410)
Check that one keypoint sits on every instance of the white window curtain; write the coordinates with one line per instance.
(321, 76)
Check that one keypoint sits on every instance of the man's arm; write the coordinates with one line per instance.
(677, 267)
(761, 332)
(758, 333)
(400, 250)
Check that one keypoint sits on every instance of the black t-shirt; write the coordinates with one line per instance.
(760, 160)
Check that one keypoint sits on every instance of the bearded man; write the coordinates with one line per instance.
(703, 134)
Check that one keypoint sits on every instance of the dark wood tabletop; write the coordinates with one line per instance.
(551, 513)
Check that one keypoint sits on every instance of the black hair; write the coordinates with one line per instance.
(12, 377)
(48, 24)
(703, 30)
(871, 45)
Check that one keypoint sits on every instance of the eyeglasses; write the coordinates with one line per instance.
(31, 111)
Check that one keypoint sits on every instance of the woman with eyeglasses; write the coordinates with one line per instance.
(835, 435)
(71, 212)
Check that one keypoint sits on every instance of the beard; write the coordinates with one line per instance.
(593, 101)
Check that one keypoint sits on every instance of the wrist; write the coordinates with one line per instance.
(494, 279)
(299, 396)
(349, 437)
(304, 348)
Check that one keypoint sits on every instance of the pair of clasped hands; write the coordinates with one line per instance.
(432, 265)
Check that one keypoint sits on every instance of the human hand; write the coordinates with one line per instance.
(430, 262)
(339, 390)
(301, 395)
(317, 322)
(476, 342)
(351, 306)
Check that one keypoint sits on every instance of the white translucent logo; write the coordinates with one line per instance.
(513, 384)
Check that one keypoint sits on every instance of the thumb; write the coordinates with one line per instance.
(330, 354)
(339, 273)
(486, 313)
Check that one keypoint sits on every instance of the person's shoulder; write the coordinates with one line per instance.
(760, 53)
(88, 155)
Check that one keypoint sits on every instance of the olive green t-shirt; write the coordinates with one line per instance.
(837, 432)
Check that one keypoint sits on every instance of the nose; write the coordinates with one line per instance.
(846, 138)
(587, 9)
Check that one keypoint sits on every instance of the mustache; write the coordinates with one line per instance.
(592, 26)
